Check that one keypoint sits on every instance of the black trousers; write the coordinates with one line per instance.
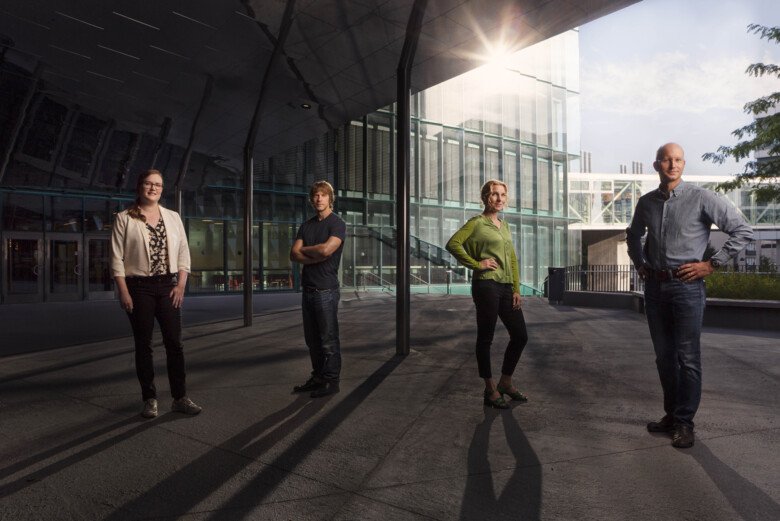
(151, 301)
(493, 300)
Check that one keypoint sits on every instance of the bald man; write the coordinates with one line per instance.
(677, 218)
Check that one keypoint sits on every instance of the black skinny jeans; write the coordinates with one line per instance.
(492, 300)
(151, 300)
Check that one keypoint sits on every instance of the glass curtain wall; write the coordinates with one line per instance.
(517, 123)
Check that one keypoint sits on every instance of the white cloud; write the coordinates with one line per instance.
(674, 81)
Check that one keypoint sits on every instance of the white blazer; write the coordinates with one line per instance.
(130, 255)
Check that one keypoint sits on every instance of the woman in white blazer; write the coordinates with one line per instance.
(150, 261)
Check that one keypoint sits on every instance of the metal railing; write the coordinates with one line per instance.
(613, 278)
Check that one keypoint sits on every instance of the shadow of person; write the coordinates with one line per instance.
(196, 481)
(521, 495)
(138, 424)
(747, 500)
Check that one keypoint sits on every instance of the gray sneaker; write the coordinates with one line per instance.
(150, 408)
(186, 406)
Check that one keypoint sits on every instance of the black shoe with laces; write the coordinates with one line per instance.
(312, 384)
(325, 389)
(665, 424)
(682, 437)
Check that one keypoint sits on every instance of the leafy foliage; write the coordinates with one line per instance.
(760, 176)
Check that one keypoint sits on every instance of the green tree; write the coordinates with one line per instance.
(760, 176)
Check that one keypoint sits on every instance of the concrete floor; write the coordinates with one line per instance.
(406, 439)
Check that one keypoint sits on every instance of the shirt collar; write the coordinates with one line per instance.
(676, 191)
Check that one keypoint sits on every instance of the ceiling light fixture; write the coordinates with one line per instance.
(306, 106)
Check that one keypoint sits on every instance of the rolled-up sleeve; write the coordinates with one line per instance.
(118, 246)
(726, 217)
(634, 234)
(455, 245)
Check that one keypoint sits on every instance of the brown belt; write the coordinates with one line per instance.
(663, 275)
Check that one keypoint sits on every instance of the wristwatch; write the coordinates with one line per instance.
(715, 263)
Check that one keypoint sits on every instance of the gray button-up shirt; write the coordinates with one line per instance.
(678, 228)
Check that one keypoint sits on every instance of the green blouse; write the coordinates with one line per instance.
(480, 239)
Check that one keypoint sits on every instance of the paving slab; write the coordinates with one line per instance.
(407, 438)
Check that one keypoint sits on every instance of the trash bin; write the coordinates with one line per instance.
(556, 284)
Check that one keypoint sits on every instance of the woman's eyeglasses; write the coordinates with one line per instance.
(149, 184)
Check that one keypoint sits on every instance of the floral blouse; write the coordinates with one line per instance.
(158, 248)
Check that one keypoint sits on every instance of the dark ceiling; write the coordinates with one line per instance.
(141, 61)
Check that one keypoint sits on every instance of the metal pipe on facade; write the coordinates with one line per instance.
(185, 160)
(249, 147)
(20, 119)
(403, 165)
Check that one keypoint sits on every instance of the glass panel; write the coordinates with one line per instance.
(543, 253)
(510, 178)
(65, 214)
(97, 214)
(41, 142)
(23, 212)
(277, 269)
(99, 273)
(206, 251)
(527, 254)
(452, 170)
(543, 113)
(23, 266)
(543, 183)
(83, 144)
(527, 182)
(64, 267)
(429, 163)
(473, 178)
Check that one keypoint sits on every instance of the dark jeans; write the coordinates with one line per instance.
(674, 312)
(321, 330)
(494, 300)
(151, 300)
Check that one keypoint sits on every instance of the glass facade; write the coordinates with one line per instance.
(70, 171)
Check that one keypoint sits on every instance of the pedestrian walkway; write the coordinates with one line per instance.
(407, 438)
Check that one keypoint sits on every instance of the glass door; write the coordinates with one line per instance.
(99, 284)
(23, 264)
(63, 267)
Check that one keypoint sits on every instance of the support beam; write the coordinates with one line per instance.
(249, 147)
(403, 166)
(20, 119)
(185, 160)
(165, 129)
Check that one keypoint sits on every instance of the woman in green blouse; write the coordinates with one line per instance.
(484, 245)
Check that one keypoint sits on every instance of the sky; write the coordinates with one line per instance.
(671, 70)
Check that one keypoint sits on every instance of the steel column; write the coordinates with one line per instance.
(403, 156)
(249, 147)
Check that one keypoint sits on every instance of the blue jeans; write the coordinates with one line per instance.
(321, 330)
(674, 312)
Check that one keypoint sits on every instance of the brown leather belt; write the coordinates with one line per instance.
(664, 275)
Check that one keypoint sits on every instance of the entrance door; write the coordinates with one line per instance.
(98, 281)
(23, 263)
(63, 267)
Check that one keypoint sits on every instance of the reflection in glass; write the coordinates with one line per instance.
(64, 267)
(99, 274)
(23, 212)
(23, 266)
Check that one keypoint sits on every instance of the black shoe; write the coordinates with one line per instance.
(682, 437)
(665, 424)
(498, 403)
(312, 384)
(325, 389)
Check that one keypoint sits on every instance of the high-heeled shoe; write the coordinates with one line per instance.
(498, 403)
(516, 395)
